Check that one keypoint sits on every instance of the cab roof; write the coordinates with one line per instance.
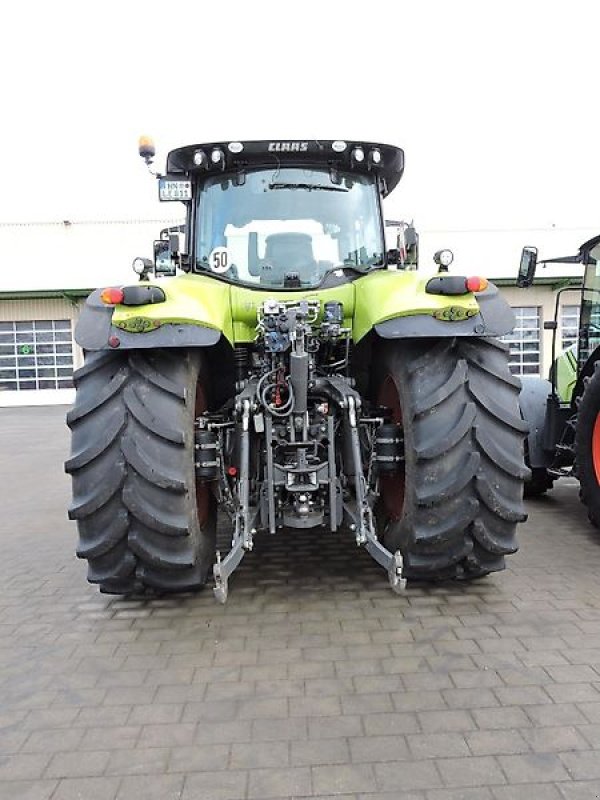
(383, 160)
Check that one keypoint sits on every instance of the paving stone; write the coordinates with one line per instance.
(481, 793)
(579, 790)
(252, 755)
(11, 741)
(554, 739)
(389, 724)
(87, 789)
(472, 771)
(522, 695)
(110, 738)
(419, 701)
(529, 791)
(426, 681)
(321, 751)
(591, 733)
(500, 718)
(371, 749)
(343, 779)
(582, 765)
(411, 795)
(167, 735)
(573, 692)
(437, 745)
(572, 673)
(469, 698)
(441, 721)
(28, 790)
(51, 718)
(23, 766)
(78, 764)
(151, 787)
(591, 711)
(138, 761)
(273, 730)
(407, 775)
(534, 768)
(367, 703)
(157, 713)
(272, 783)
(496, 742)
(214, 711)
(472, 679)
(556, 714)
(96, 716)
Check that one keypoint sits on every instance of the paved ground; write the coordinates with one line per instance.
(313, 681)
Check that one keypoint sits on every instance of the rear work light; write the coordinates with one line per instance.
(111, 296)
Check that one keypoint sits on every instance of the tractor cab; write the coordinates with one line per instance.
(564, 412)
(283, 215)
(589, 318)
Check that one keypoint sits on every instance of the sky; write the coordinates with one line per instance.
(495, 103)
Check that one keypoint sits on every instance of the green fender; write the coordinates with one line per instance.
(565, 367)
(198, 310)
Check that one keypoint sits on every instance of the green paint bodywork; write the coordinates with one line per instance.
(566, 375)
(367, 301)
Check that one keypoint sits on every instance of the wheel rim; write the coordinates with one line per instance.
(596, 447)
(202, 490)
(392, 487)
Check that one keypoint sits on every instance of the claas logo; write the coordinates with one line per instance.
(288, 147)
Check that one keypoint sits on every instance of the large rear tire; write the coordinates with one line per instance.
(453, 509)
(587, 446)
(143, 523)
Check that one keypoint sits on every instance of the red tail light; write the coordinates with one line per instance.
(111, 296)
(476, 284)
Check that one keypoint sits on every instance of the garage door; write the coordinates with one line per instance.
(36, 361)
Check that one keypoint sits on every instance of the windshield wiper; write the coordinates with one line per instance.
(309, 187)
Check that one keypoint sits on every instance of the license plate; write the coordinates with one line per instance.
(174, 190)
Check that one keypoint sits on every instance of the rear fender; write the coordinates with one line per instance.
(396, 305)
(195, 313)
(534, 401)
(494, 318)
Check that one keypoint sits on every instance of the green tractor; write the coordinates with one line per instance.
(564, 412)
(278, 369)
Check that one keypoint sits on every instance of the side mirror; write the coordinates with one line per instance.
(411, 245)
(406, 252)
(393, 256)
(164, 258)
(527, 267)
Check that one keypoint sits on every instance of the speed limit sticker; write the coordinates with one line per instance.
(219, 259)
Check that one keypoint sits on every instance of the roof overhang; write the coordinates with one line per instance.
(46, 294)
(338, 154)
(553, 281)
